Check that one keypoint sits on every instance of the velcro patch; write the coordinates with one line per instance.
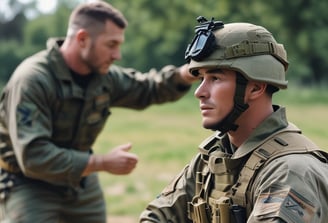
(285, 204)
(26, 114)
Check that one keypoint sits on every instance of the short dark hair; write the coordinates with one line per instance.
(94, 14)
(270, 89)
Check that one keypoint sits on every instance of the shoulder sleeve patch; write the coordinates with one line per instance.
(285, 204)
(26, 114)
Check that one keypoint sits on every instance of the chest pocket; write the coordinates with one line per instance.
(78, 121)
(93, 121)
(65, 121)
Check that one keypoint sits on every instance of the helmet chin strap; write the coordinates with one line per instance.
(228, 123)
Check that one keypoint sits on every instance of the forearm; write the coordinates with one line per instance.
(138, 90)
(95, 164)
(47, 162)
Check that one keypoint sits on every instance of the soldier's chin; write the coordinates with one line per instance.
(210, 126)
(103, 71)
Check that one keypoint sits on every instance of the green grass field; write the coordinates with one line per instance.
(165, 138)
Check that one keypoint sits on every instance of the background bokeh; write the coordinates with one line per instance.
(166, 137)
(159, 31)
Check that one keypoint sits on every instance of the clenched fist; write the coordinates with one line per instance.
(118, 161)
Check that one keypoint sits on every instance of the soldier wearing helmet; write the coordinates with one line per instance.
(251, 169)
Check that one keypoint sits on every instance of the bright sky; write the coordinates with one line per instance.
(45, 6)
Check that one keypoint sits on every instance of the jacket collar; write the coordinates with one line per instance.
(275, 123)
(62, 73)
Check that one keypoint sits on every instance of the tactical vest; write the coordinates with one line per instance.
(224, 186)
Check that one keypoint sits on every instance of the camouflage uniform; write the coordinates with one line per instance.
(48, 124)
(302, 178)
(276, 174)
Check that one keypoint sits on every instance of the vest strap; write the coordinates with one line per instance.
(284, 143)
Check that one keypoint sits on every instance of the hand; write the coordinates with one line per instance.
(119, 161)
(186, 75)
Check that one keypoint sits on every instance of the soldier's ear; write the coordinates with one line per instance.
(82, 37)
(256, 89)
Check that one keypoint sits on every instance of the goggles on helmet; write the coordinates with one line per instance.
(203, 44)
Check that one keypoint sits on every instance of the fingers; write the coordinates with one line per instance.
(124, 166)
(133, 158)
(125, 147)
(130, 161)
(120, 161)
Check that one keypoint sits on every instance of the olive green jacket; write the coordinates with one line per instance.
(48, 123)
(292, 187)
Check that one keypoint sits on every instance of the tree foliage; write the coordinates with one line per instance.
(159, 31)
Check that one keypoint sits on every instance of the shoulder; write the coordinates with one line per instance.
(33, 75)
(30, 67)
(304, 173)
(298, 178)
(289, 152)
(300, 164)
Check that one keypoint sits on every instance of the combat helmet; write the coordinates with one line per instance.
(249, 49)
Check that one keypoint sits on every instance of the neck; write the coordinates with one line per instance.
(249, 121)
(72, 57)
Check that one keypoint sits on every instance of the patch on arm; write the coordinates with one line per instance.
(26, 114)
(285, 204)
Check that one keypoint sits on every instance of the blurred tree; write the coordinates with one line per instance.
(13, 29)
(306, 28)
(301, 25)
(159, 31)
(12, 19)
(37, 31)
(20, 37)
